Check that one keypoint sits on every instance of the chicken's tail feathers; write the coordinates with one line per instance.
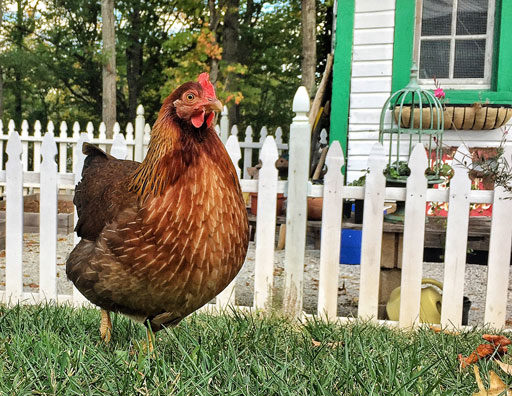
(91, 149)
(94, 155)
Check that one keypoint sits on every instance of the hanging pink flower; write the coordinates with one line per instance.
(439, 93)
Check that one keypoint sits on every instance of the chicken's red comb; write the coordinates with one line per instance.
(204, 80)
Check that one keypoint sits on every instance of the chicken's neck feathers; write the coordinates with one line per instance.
(172, 151)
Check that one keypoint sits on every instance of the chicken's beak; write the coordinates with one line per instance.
(213, 104)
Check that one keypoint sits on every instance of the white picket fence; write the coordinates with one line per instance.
(135, 138)
(415, 194)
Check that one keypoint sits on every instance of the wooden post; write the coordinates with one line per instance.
(296, 212)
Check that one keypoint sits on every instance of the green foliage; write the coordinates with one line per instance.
(397, 170)
(51, 57)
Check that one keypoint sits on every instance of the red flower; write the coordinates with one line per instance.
(439, 93)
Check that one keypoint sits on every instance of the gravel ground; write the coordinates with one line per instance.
(348, 291)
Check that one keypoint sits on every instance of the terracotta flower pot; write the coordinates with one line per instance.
(315, 208)
(279, 204)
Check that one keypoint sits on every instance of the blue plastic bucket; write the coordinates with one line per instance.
(350, 252)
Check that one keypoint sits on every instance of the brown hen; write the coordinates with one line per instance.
(163, 237)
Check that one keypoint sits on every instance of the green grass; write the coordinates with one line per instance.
(57, 350)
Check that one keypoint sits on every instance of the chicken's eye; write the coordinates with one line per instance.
(190, 96)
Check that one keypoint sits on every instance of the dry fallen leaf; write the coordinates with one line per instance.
(329, 344)
(481, 351)
(497, 344)
(497, 340)
(505, 367)
(438, 329)
(496, 385)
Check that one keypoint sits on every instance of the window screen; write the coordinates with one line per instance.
(455, 40)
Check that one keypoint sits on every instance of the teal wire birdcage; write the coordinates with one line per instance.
(409, 116)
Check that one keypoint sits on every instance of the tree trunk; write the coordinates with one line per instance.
(109, 65)
(133, 64)
(308, 44)
(1, 93)
(18, 81)
(213, 26)
(230, 52)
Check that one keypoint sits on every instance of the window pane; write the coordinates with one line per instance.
(472, 17)
(469, 59)
(436, 19)
(434, 58)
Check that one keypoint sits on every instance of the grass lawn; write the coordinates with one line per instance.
(57, 350)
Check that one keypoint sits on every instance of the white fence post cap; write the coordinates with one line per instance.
(140, 110)
(301, 100)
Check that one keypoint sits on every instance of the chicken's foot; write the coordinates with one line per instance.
(105, 326)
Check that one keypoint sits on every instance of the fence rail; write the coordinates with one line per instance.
(415, 194)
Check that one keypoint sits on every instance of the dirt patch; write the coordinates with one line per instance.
(32, 206)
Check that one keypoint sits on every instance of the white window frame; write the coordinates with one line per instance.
(458, 83)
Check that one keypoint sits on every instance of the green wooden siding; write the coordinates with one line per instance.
(342, 68)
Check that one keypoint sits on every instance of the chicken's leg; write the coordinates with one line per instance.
(105, 326)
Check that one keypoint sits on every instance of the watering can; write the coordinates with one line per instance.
(430, 302)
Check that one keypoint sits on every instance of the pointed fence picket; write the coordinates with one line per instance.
(227, 296)
(415, 194)
(456, 241)
(48, 221)
(224, 125)
(247, 152)
(63, 147)
(24, 144)
(119, 148)
(14, 220)
(372, 233)
(331, 234)
(37, 146)
(266, 220)
(414, 235)
(78, 298)
(499, 255)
